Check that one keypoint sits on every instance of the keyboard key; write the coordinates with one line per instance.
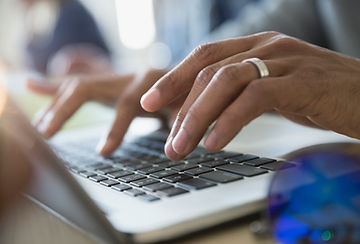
(192, 156)
(213, 164)
(199, 151)
(199, 160)
(159, 160)
(147, 157)
(223, 155)
(87, 174)
(259, 161)
(173, 191)
(148, 198)
(130, 178)
(77, 170)
(195, 184)
(118, 159)
(198, 171)
(97, 178)
(242, 158)
(176, 178)
(164, 173)
(277, 165)
(121, 187)
(107, 170)
(150, 170)
(119, 173)
(183, 167)
(99, 166)
(157, 186)
(136, 166)
(170, 164)
(220, 177)
(109, 182)
(126, 161)
(144, 182)
(134, 192)
(244, 170)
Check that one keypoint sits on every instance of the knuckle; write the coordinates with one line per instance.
(228, 73)
(283, 42)
(310, 71)
(180, 116)
(205, 51)
(269, 33)
(204, 77)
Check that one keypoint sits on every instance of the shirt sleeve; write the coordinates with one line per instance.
(298, 18)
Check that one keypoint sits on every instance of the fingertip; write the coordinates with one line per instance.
(150, 100)
(40, 86)
(45, 125)
(212, 142)
(106, 146)
(170, 152)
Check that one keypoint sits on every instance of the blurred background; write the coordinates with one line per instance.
(37, 34)
(52, 39)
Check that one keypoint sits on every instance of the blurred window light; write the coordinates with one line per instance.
(136, 22)
(159, 55)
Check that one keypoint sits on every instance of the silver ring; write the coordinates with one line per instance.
(260, 65)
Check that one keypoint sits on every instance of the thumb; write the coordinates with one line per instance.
(41, 87)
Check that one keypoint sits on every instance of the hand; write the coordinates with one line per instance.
(124, 90)
(307, 84)
(84, 59)
(15, 169)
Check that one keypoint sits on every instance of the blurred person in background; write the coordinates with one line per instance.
(75, 45)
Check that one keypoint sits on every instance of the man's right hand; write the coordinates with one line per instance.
(125, 91)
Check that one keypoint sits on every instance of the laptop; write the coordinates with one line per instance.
(137, 194)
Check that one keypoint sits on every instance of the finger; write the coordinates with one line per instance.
(206, 75)
(224, 87)
(58, 94)
(181, 78)
(259, 96)
(124, 117)
(41, 87)
(65, 107)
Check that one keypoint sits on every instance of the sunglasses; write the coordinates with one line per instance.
(318, 201)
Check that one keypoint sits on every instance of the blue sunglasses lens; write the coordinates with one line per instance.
(318, 201)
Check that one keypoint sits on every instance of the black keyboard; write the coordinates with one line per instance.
(141, 169)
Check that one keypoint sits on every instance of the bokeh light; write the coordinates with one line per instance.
(318, 201)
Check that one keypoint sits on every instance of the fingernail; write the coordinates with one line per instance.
(44, 125)
(168, 141)
(149, 99)
(211, 141)
(181, 141)
(170, 153)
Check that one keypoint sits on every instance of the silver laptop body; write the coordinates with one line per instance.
(113, 216)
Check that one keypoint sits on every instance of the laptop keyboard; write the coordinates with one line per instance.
(141, 169)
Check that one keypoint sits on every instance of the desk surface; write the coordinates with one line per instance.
(29, 223)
